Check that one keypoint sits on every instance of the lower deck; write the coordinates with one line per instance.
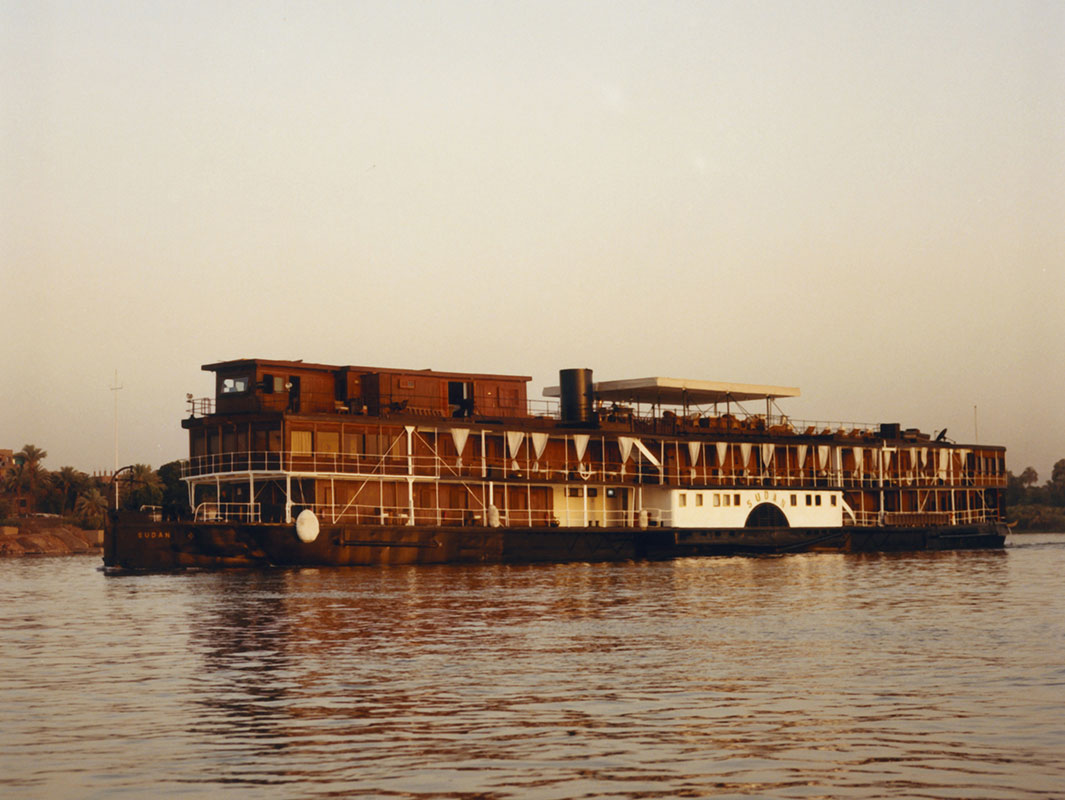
(135, 541)
(413, 501)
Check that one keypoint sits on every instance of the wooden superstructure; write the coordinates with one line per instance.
(662, 465)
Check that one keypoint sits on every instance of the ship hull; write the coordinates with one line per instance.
(135, 542)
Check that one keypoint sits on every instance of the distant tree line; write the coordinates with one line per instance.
(28, 488)
(1034, 507)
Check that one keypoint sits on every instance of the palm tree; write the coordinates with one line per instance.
(71, 483)
(143, 487)
(91, 508)
(31, 454)
(29, 473)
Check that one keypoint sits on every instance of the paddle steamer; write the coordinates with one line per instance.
(295, 463)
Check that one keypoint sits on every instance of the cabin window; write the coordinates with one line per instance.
(302, 442)
(235, 385)
(794, 500)
(683, 499)
(728, 499)
(809, 500)
(817, 500)
(273, 384)
(735, 499)
(353, 443)
(717, 500)
(328, 442)
(833, 499)
(699, 499)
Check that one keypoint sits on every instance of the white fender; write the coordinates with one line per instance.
(307, 526)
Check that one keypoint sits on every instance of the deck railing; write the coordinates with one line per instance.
(212, 511)
(672, 472)
(398, 515)
(922, 518)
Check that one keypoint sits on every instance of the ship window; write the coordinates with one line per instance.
(735, 499)
(578, 491)
(699, 499)
(352, 443)
(328, 442)
(273, 384)
(833, 499)
(683, 499)
(817, 500)
(235, 385)
(301, 442)
(728, 499)
(794, 500)
(717, 500)
(809, 500)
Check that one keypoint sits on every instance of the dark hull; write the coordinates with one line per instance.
(133, 541)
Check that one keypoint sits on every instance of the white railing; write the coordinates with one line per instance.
(673, 472)
(212, 511)
(463, 517)
(573, 517)
(399, 515)
(867, 519)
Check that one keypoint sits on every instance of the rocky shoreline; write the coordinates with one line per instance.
(48, 537)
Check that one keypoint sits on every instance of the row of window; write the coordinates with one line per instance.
(721, 499)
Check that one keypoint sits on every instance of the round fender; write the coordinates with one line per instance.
(307, 526)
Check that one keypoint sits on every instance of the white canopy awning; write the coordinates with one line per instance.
(680, 391)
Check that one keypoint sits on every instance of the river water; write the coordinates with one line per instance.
(925, 675)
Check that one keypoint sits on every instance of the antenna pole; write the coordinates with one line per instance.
(114, 475)
(976, 428)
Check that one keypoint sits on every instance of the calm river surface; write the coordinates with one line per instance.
(927, 675)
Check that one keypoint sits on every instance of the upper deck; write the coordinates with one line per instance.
(656, 405)
(265, 386)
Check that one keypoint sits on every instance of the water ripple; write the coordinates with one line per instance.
(931, 675)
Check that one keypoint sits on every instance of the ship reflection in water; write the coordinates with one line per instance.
(923, 674)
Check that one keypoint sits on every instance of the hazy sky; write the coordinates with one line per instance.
(865, 200)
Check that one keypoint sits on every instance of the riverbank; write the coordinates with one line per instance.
(1036, 517)
(47, 536)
